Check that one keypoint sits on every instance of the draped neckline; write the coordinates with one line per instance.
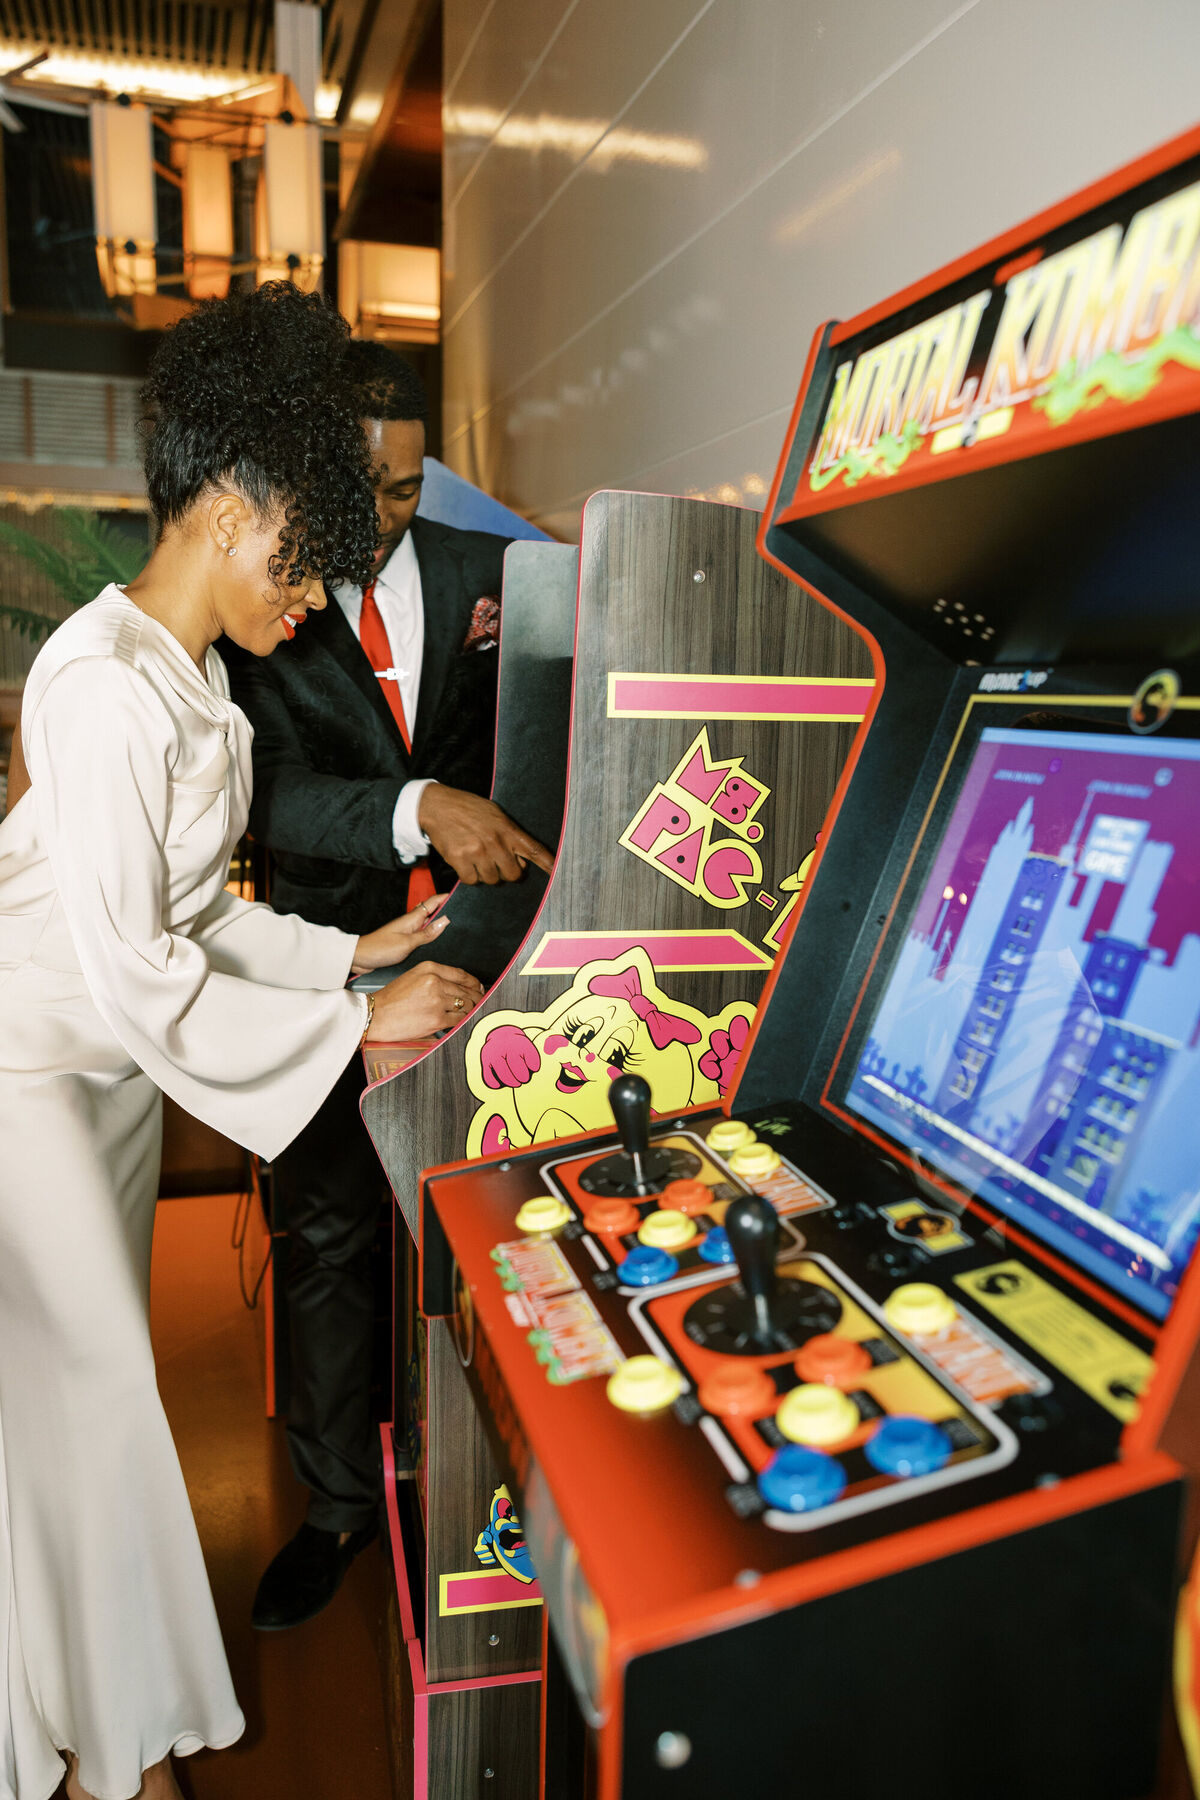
(207, 691)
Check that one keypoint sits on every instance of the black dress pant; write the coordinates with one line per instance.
(331, 1185)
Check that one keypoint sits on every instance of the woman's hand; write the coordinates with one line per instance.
(395, 941)
(429, 998)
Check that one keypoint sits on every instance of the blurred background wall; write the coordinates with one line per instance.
(605, 229)
(650, 205)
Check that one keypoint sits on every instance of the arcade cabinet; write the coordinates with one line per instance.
(844, 1421)
(712, 709)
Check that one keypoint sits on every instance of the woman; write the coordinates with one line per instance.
(125, 969)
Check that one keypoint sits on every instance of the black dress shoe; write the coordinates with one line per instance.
(302, 1580)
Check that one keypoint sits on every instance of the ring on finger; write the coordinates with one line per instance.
(459, 1003)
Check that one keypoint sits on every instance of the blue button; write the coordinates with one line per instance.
(716, 1247)
(904, 1445)
(800, 1480)
(646, 1267)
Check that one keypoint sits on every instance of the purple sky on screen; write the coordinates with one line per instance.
(987, 804)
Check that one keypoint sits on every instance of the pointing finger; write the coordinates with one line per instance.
(530, 850)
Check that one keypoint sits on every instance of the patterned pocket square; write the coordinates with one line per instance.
(483, 633)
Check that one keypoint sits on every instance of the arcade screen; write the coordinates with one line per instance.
(1038, 1038)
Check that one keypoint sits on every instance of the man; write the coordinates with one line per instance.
(373, 744)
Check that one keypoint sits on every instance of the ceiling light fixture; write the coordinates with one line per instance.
(142, 78)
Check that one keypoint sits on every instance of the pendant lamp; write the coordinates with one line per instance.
(290, 215)
(391, 290)
(207, 220)
(123, 196)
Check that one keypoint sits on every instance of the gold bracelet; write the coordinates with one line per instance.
(370, 1016)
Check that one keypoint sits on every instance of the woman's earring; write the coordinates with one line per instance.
(231, 550)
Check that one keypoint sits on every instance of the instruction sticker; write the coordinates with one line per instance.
(561, 1324)
(1090, 1353)
(936, 1232)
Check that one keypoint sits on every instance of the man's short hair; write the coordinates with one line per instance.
(389, 385)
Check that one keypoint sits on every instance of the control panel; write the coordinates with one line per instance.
(815, 1401)
(814, 1361)
(721, 1366)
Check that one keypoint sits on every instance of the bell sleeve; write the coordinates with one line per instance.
(246, 938)
(253, 1059)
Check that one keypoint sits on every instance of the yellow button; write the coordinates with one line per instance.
(666, 1229)
(729, 1135)
(919, 1309)
(816, 1414)
(644, 1384)
(543, 1213)
(754, 1161)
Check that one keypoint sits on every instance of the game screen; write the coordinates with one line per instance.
(1038, 1039)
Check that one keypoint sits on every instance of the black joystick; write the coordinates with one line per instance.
(752, 1226)
(636, 1170)
(629, 1097)
(761, 1312)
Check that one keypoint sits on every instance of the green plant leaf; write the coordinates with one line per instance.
(46, 558)
(31, 625)
(91, 553)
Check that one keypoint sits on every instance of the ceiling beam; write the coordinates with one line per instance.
(395, 36)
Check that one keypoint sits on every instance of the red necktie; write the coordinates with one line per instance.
(372, 635)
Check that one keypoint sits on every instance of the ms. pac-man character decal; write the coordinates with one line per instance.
(506, 1578)
(501, 1543)
(545, 1075)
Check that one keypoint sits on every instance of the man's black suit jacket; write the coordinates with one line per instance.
(329, 761)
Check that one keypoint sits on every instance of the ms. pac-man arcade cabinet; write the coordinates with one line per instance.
(711, 710)
(869, 1475)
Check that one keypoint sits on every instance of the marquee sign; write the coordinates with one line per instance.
(1093, 328)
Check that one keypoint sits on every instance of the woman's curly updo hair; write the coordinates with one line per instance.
(253, 392)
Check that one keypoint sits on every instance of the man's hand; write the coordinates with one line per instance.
(480, 842)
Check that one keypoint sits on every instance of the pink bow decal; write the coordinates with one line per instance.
(664, 1028)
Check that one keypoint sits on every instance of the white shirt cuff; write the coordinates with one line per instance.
(410, 841)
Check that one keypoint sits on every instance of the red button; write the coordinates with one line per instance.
(617, 1216)
(688, 1197)
(832, 1359)
(736, 1390)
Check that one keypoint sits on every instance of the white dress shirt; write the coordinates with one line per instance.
(398, 597)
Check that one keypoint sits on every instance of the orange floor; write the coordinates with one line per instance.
(312, 1697)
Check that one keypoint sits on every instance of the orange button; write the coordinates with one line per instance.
(617, 1216)
(735, 1390)
(832, 1359)
(687, 1196)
